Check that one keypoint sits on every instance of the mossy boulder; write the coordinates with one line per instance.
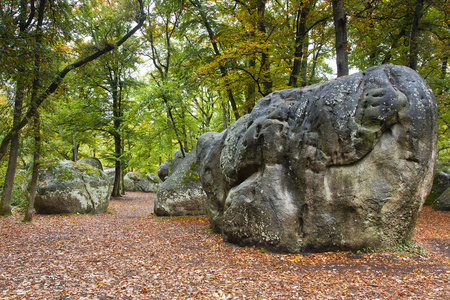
(69, 187)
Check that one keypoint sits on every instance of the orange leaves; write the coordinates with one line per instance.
(133, 254)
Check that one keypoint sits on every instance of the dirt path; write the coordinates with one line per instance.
(131, 254)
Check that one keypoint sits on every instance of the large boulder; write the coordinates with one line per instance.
(341, 165)
(69, 187)
(181, 194)
(441, 182)
(93, 161)
(443, 201)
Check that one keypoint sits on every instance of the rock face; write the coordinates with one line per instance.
(440, 183)
(181, 194)
(340, 165)
(111, 172)
(70, 187)
(163, 171)
(134, 183)
(443, 201)
(95, 162)
(170, 165)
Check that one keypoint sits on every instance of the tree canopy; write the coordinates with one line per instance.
(145, 87)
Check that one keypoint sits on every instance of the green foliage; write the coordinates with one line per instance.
(18, 198)
(408, 248)
(191, 174)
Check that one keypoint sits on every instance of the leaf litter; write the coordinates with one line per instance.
(130, 253)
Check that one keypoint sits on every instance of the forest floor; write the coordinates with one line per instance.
(131, 254)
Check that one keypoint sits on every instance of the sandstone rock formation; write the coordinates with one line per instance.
(169, 166)
(134, 183)
(70, 187)
(341, 165)
(443, 201)
(181, 194)
(440, 183)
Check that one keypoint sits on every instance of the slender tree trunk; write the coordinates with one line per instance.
(443, 72)
(5, 208)
(250, 95)
(224, 115)
(35, 171)
(75, 146)
(414, 44)
(265, 58)
(117, 122)
(300, 33)
(36, 118)
(340, 29)
(304, 69)
(313, 69)
(222, 69)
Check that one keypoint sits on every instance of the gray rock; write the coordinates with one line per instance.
(134, 183)
(93, 161)
(163, 170)
(441, 182)
(129, 185)
(70, 187)
(443, 201)
(111, 172)
(181, 194)
(169, 166)
(341, 165)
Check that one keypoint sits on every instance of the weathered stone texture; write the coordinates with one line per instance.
(181, 193)
(70, 187)
(340, 165)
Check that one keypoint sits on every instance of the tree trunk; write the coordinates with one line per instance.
(300, 33)
(117, 122)
(265, 58)
(224, 115)
(340, 29)
(5, 208)
(117, 164)
(304, 69)
(75, 147)
(250, 94)
(223, 70)
(35, 171)
(414, 44)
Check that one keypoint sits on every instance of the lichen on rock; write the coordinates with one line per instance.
(340, 165)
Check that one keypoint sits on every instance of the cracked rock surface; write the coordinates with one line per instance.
(70, 187)
(340, 165)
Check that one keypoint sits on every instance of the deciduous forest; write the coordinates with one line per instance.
(131, 81)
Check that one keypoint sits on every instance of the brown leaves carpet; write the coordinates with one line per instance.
(131, 254)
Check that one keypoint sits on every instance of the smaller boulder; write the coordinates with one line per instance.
(169, 166)
(163, 171)
(93, 161)
(441, 182)
(111, 172)
(69, 187)
(182, 193)
(443, 201)
(134, 183)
